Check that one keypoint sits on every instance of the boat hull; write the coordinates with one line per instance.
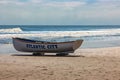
(25, 45)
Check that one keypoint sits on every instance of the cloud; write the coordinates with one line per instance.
(11, 2)
(65, 4)
(59, 11)
(108, 1)
(44, 3)
(36, 1)
(5, 2)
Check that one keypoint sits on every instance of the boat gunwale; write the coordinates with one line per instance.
(42, 42)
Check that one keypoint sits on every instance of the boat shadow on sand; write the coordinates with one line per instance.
(47, 55)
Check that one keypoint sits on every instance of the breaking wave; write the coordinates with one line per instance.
(10, 30)
(58, 36)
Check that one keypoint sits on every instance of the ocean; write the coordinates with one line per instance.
(93, 35)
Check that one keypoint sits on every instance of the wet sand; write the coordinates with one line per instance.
(85, 64)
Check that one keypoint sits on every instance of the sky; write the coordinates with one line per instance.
(59, 12)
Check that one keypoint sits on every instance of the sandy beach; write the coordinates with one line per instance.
(86, 64)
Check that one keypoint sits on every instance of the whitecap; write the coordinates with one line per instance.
(11, 30)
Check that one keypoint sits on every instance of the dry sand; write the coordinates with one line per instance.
(92, 64)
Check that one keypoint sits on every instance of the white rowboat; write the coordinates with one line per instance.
(26, 45)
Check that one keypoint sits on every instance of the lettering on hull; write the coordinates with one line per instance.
(41, 46)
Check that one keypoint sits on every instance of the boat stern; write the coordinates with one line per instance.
(77, 44)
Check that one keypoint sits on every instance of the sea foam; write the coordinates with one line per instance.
(11, 30)
(58, 36)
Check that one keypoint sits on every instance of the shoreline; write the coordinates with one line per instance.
(91, 64)
(95, 44)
